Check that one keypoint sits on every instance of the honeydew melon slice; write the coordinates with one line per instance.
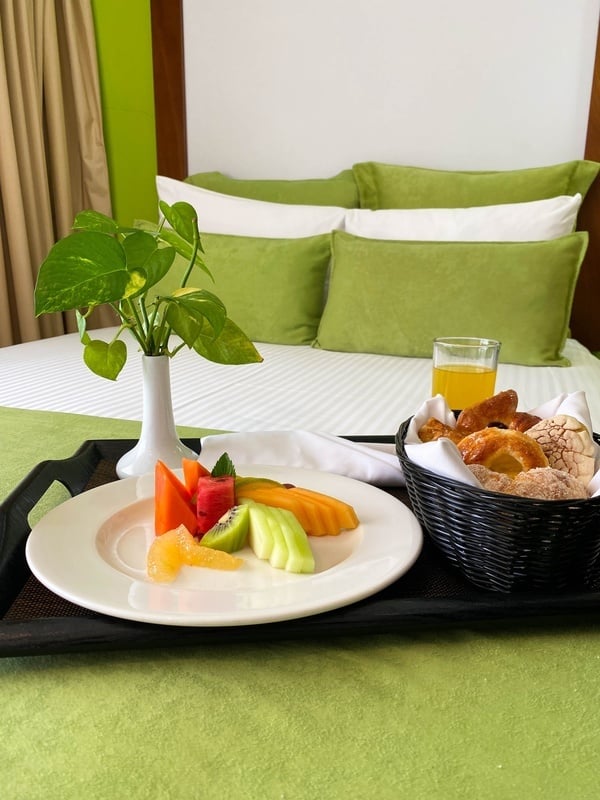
(300, 557)
(260, 537)
(280, 553)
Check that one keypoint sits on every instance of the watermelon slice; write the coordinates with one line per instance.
(215, 496)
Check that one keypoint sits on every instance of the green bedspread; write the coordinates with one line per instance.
(495, 711)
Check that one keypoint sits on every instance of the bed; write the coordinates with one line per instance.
(343, 298)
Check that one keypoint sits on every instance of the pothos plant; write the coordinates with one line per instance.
(104, 263)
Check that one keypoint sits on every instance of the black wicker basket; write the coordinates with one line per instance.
(505, 543)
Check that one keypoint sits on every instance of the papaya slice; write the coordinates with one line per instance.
(172, 506)
(192, 470)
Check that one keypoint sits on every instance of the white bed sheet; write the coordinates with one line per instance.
(295, 387)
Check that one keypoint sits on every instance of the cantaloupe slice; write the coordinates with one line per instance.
(329, 524)
(278, 497)
(319, 514)
(346, 516)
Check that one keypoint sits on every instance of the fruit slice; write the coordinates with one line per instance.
(192, 470)
(215, 497)
(300, 557)
(176, 548)
(255, 483)
(230, 532)
(275, 535)
(280, 552)
(345, 515)
(260, 536)
(279, 497)
(171, 502)
(313, 510)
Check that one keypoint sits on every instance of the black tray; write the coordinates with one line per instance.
(34, 621)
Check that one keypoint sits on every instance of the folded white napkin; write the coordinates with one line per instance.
(443, 456)
(372, 463)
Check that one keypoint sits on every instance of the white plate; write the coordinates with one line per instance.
(92, 550)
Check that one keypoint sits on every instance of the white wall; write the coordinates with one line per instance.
(304, 88)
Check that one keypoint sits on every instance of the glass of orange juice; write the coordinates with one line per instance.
(464, 369)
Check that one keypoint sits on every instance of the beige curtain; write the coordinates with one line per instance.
(52, 156)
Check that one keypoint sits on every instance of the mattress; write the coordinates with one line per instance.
(295, 387)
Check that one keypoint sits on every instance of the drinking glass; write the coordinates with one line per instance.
(464, 369)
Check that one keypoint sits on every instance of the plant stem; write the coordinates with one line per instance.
(145, 335)
(192, 259)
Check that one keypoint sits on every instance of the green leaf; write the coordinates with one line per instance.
(136, 285)
(232, 346)
(182, 217)
(83, 269)
(95, 221)
(144, 255)
(223, 466)
(106, 359)
(195, 312)
(184, 249)
(138, 247)
(158, 265)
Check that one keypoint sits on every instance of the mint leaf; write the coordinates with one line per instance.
(224, 466)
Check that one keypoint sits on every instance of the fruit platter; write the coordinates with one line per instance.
(208, 516)
(183, 547)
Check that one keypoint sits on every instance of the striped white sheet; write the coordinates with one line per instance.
(294, 387)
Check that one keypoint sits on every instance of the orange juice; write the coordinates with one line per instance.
(463, 384)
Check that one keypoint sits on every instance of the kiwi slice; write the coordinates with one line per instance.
(230, 532)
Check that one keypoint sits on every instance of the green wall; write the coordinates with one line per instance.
(124, 43)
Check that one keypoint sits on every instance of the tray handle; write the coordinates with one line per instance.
(73, 473)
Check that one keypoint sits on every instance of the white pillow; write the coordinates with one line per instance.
(514, 222)
(223, 213)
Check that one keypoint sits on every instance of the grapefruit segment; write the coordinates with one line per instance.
(177, 548)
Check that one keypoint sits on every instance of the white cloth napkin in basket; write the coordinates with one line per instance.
(372, 463)
(442, 456)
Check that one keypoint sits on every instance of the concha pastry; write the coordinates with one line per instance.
(567, 444)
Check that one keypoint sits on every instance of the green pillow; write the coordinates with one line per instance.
(395, 297)
(389, 186)
(272, 288)
(341, 190)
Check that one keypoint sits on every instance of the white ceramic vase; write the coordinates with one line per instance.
(158, 438)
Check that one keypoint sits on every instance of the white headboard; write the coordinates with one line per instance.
(304, 88)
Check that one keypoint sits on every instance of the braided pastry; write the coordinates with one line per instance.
(499, 409)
